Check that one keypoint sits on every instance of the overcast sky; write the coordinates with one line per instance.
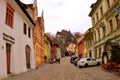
(65, 14)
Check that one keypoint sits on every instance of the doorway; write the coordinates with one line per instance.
(8, 55)
(27, 51)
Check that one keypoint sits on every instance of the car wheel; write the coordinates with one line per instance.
(98, 64)
(86, 65)
(80, 66)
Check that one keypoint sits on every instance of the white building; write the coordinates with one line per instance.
(16, 39)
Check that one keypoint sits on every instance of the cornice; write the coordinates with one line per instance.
(25, 12)
(94, 7)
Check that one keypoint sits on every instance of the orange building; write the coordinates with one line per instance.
(81, 49)
(38, 37)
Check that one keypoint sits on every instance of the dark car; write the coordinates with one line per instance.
(75, 61)
(72, 59)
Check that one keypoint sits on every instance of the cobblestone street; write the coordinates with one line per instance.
(65, 71)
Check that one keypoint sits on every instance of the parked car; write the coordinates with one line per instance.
(75, 61)
(72, 59)
(84, 62)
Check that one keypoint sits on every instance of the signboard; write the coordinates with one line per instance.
(8, 38)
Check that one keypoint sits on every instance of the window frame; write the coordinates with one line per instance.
(101, 11)
(25, 28)
(9, 20)
(97, 18)
(108, 4)
(111, 25)
(117, 21)
(29, 32)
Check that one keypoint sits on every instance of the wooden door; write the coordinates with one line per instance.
(28, 56)
(8, 54)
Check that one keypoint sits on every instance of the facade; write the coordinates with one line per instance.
(88, 42)
(47, 50)
(58, 53)
(71, 48)
(53, 52)
(83, 44)
(16, 39)
(105, 26)
(80, 45)
(38, 37)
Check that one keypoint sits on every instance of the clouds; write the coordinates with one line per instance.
(65, 14)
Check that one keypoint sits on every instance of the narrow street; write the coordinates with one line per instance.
(65, 71)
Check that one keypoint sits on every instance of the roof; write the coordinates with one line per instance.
(24, 10)
(94, 6)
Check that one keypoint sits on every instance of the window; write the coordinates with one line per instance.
(29, 32)
(101, 11)
(24, 29)
(108, 3)
(98, 34)
(97, 16)
(111, 25)
(93, 21)
(94, 37)
(100, 52)
(113, 1)
(88, 59)
(102, 26)
(9, 15)
(104, 31)
(95, 53)
(117, 21)
(93, 59)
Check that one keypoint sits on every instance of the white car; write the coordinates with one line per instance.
(84, 62)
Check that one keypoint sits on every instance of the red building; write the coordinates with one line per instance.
(81, 48)
(54, 51)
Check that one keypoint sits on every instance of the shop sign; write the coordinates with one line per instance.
(8, 38)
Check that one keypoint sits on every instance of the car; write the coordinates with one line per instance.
(72, 59)
(85, 62)
(75, 61)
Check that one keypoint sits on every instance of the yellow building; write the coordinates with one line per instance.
(105, 26)
(47, 48)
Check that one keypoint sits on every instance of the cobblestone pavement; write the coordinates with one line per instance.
(65, 71)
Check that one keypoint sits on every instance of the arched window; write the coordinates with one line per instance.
(104, 31)
(117, 21)
(111, 25)
(101, 11)
(108, 3)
